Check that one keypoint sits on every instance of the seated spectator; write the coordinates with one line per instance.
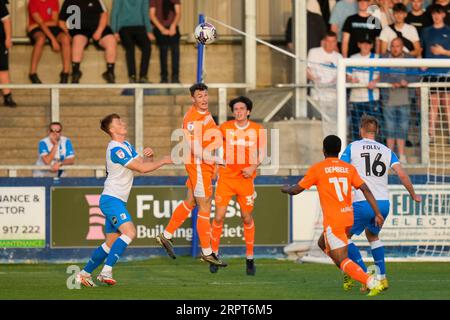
(364, 100)
(340, 13)
(418, 16)
(396, 104)
(130, 21)
(5, 45)
(400, 29)
(94, 25)
(436, 45)
(165, 16)
(360, 26)
(322, 62)
(54, 150)
(43, 25)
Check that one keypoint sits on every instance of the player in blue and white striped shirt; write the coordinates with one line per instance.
(121, 160)
(372, 161)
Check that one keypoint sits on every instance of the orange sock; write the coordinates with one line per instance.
(216, 233)
(204, 229)
(354, 271)
(178, 217)
(249, 236)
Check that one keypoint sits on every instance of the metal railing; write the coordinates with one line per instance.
(54, 90)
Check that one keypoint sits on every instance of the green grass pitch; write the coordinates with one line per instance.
(189, 279)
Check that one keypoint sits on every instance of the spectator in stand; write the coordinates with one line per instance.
(364, 100)
(340, 13)
(42, 25)
(400, 29)
(54, 150)
(446, 5)
(382, 9)
(322, 62)
(396, 103)
(316, 30)
(418, 17)
(436, 45)
(165, 16)
(130, 21)
(5, 45)
(360, 26)
(94, 24)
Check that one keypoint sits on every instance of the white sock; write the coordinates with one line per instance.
(207, 251)
(167, 235)
(381, 277)
(372, 282)
(106, 269)
(85, 273)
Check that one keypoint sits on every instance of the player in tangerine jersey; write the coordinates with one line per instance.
(334, 180)
(244, 145)
(201, 134)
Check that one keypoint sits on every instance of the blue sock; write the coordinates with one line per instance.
(117, 250)
(97, 258)
(355, 255)
(378, 257)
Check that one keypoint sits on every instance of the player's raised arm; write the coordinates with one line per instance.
(404, 178)
(292, 190)
(379, 220)
(145, 167)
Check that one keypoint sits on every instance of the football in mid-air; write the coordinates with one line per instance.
(205, 33)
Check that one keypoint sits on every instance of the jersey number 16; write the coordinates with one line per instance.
(378, 168)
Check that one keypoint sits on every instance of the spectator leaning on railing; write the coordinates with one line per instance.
(396, 103)
(54, 150)
(5, 45)
(364, 100)
(322, 62)
(42, 25)
(436, 45)
(94, 24)
(130, 21)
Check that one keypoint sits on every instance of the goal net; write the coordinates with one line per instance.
(411, 100)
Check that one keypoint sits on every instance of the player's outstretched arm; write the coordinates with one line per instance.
(145, 167)
(292, 190)
(404, 178)
(379, 220)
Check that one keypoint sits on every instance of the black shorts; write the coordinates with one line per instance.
(4, 58)
(88, 33)
(431, 79)
(54, 30)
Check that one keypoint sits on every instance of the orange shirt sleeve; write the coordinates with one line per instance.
(309, 179)
(357, 181)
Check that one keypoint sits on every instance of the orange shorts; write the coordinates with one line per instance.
(335, 237)
(199, 180)
(243, 189)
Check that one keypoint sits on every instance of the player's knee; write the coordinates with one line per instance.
(247, 219)
(219, 220)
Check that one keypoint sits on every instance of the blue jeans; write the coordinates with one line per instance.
(372, 108)
(397, 121)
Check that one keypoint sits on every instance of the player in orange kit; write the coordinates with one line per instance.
(334, 180)
(201, 135)
(244, 144)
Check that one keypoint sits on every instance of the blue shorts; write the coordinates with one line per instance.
(365, 217)
(115, 211)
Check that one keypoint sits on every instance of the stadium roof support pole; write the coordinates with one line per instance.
(139, 119)
(341, 102)
(299, 27)
(55, 104)
(250, 43)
